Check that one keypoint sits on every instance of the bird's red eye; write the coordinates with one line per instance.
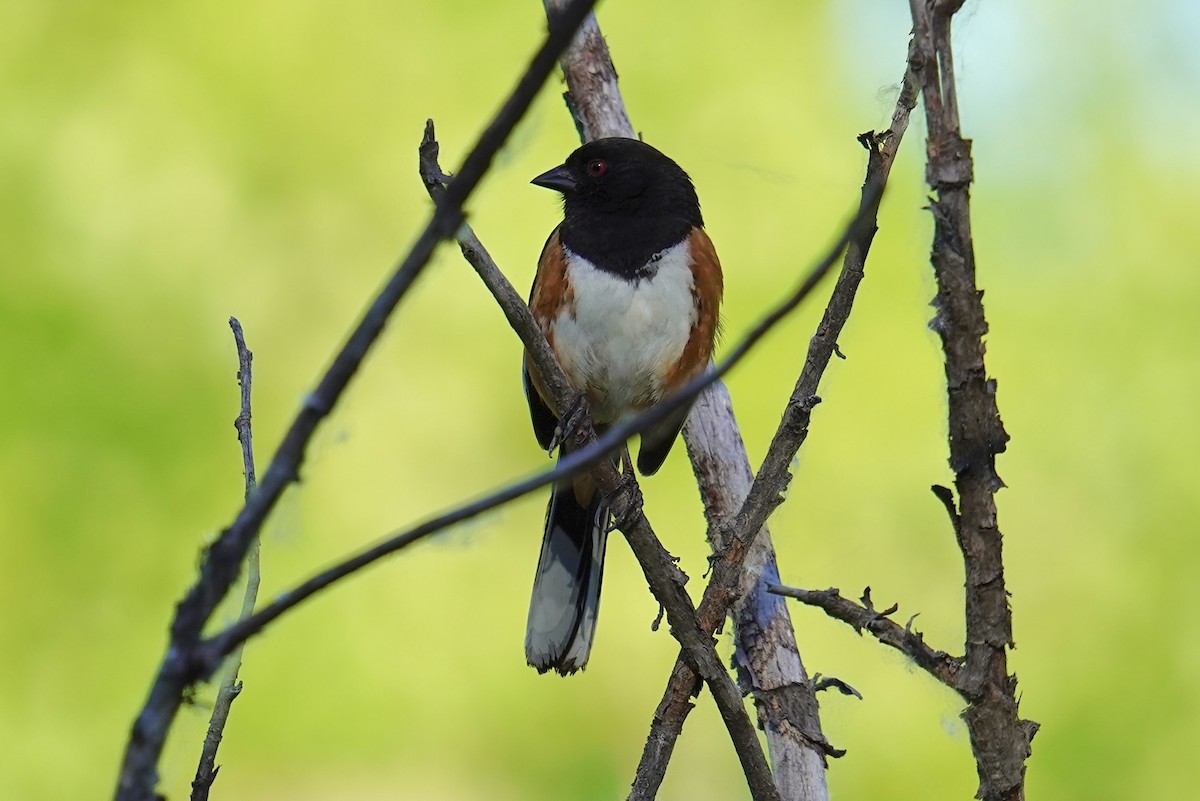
(597, 167)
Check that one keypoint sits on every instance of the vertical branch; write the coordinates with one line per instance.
(768, 654)
(593, 96)
(242, 423)
(1000, 740)
(785, 702)
(230, 687)
(859, 230)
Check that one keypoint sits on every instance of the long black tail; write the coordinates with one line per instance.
(566, 587)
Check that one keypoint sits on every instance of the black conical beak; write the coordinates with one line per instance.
(558, 179)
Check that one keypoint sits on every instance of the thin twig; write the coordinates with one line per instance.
(860, 617)
(768, 489)
(823, 683)
(214, 649)
(242, 423)
(230, 687)
(1000, 739)
(180, 668)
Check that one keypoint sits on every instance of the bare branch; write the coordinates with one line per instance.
(822, 683)
(222, 563)
(593, 96)
(510, 302)
(661, 572)
(529, 332)
(864, 617)
(592, 448)
(774, 476)
(767, 492)
(242, 423)
(1000, 739)
(946, 496)
(723, 474)
(646, 548)
(230, 687)
(212, 650)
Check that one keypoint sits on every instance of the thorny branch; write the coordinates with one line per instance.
(864, 616)
(770, 484)
(1000, 739)
(989, 690)
(181, 665)
(764, 633)
(522, 321)
(214, 648)
(203, 655)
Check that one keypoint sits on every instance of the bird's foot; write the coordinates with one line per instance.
(573, 425)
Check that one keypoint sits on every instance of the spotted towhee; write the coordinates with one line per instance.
(628, 292)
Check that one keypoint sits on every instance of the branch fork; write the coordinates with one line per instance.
(736, 506)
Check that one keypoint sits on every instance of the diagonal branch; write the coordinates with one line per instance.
(723, 475)
(222, 562)
(210, 651)
(645, 546)
(661, 572)
(527, 328)
(767, 492)
(774, 476)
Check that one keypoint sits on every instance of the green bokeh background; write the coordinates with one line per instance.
(166, 165)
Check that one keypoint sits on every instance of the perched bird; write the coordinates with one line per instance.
(628, 293)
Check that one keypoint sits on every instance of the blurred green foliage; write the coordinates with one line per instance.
(163, 166)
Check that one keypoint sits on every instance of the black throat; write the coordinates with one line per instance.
(620, 243)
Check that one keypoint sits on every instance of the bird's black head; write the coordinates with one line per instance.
(623, 201)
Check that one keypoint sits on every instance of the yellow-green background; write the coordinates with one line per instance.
(166, 165)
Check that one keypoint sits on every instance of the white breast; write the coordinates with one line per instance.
(621, 336)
